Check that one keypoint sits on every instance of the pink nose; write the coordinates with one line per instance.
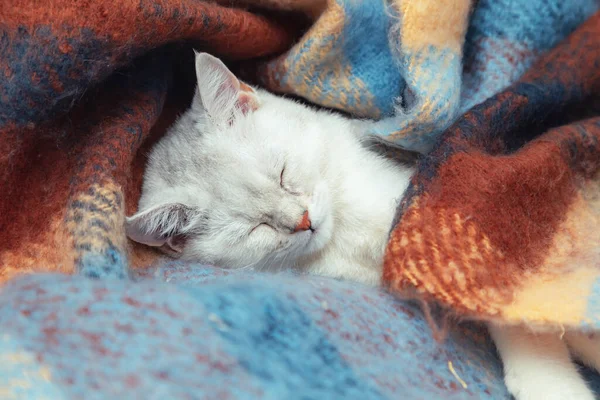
(304, 224)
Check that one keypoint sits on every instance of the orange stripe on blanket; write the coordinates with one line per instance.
(427, 23)
(559, 293)
(51, 252)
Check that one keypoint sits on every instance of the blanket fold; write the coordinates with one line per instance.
(417, 65)
(84, 93)
(80, 90)
(501, 221)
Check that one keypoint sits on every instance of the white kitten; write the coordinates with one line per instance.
(246, 178)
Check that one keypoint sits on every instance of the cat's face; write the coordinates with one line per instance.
(239, 180)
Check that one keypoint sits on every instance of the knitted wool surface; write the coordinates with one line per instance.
(86, 87)
(501, 220)
(206, 335)
(417, 65)
(81, 87)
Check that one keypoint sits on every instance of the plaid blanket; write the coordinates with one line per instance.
(499, 222)
(418, 65)
(239, 335)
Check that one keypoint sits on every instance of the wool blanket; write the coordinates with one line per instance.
(417, 65)
(502, 221)
(195, 332)
(499, 222)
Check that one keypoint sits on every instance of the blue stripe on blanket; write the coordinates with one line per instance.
(290, 357)
(231, 334)
(505, 37)
(371, 61)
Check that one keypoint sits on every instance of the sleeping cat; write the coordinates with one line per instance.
(248, 179)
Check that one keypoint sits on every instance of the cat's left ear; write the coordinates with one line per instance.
(220, 92)
(166, 226)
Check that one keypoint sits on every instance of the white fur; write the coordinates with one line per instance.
(215, 178)
(224, 166)
(538, 365)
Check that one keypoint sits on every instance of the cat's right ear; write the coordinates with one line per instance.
(167, 225)
(219, 91)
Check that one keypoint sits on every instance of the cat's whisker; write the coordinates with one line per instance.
(285, 257)
(249, 266)
(266, 262)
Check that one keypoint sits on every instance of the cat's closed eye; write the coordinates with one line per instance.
(282, 183)
(262, 224)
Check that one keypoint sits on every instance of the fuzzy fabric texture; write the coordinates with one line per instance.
(238, 335)
(81, 87)
(417, 65)
(501, 220)
(502, 212)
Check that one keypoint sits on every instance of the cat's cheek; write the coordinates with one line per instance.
(319, 207)
(265, 241)
(321, 236)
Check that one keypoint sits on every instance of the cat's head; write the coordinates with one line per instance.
(238, 180)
